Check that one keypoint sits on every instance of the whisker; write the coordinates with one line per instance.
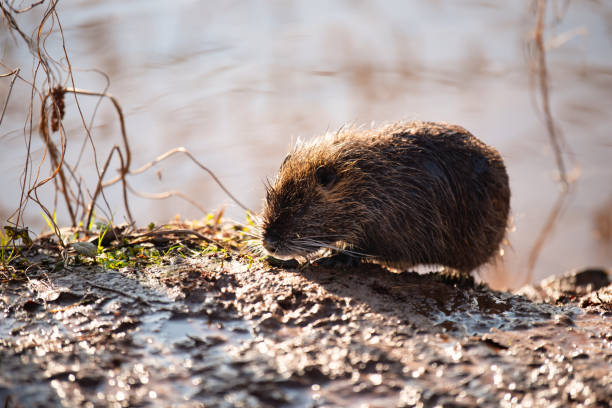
(348, 251)
(318, 244)
(320, 236)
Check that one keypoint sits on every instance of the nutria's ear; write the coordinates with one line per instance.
(326, 176)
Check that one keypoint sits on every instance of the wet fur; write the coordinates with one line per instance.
(406, 194)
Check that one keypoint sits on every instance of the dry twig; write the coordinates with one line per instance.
(554, 135)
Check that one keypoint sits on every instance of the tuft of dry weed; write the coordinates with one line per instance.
(52, 83)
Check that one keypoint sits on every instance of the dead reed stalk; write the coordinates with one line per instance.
(541, 77)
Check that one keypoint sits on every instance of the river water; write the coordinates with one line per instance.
(236, 83)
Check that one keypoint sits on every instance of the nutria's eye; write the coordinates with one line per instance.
(326, 176)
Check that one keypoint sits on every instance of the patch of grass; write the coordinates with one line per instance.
(250, 219)
(130, 256)
(8, 251)
(251, 260)
(132, 249)
(102, 232)
(48, 221)
(144, 255)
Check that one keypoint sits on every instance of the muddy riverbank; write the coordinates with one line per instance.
(209, 325)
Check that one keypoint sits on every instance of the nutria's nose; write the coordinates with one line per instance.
(270, 240)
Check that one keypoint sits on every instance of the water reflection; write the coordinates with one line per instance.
(237, 82)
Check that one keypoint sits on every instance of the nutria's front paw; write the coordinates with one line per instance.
(280, 263)
(339, 260)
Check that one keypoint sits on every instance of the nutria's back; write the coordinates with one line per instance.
(406, 194)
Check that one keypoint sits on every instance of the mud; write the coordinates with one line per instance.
(224, 330)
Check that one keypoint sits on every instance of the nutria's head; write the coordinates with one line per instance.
(310, 205)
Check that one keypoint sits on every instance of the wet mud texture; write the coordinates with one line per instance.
(217, 332)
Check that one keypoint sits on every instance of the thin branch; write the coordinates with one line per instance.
(93, 115)
(120, 292)
(30, 7)
(100, 187)
(164, 232)
(536, 249)
(188, 154)
(167, 194)
(554, 138)
(126, 145)
(553, 135)
(13, 25)
(15, 74)
(57, 159)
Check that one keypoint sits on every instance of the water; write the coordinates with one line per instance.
(236, 83)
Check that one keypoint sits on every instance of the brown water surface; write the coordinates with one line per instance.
(237, 82)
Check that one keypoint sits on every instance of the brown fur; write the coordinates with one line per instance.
(403, 195)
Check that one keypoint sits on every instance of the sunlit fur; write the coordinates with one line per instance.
(406, 194)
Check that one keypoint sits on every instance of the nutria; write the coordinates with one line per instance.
(403, 195)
